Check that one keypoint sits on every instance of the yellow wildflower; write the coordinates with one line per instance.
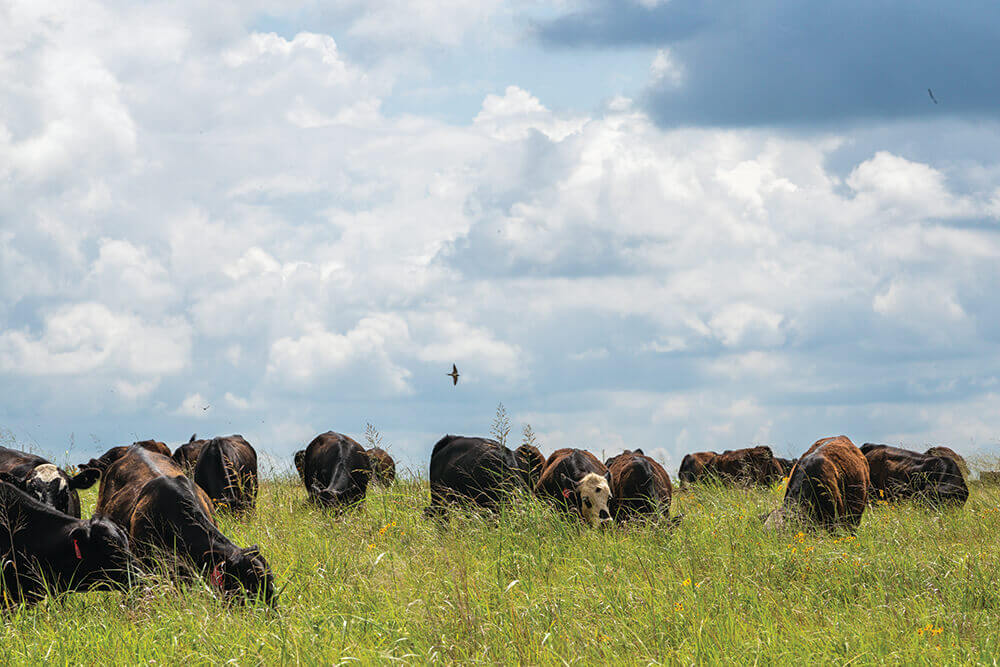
(686, 582)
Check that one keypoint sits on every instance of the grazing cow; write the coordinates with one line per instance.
(579, 483)
(752, 466)
(639, 486)
(474, 471)
(41, 479)
(186, 456)
(786, 465)
(227, 471)
(107, 458)
(43, 550)
(941, 450)
(337, 470)
(696, 467)
(900, 473)
(148, 495)
(532, 461)
(383, 467)
(828, 486)
(300, 463)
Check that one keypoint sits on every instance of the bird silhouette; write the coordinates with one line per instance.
(453, 375)
(933, 99)
(206, 407)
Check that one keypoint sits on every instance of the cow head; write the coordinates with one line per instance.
(245, 573)
(99, 552)
(55, 488)
(590, 496)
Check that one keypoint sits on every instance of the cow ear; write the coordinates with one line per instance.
(85, 478)
(639, 452)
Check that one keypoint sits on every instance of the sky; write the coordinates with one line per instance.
(665, 224)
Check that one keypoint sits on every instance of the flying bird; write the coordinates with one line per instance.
(453, 375)
(932, 96)
(206, 407)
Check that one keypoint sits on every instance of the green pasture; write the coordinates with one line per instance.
(384, 584)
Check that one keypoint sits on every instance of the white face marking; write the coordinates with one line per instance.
(47, 473)
(594, 494)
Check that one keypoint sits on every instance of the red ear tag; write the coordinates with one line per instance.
(216, 576)
(76, 548)
(567, 493)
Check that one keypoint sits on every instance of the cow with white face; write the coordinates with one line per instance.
(45, 482)
(578, 483)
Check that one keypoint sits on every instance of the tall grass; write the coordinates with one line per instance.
(384, 583)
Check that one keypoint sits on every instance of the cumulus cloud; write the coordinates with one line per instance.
(88, 337)
(235, 213)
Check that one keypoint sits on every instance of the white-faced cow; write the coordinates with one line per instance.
(163, 511)
(43, 550)
(578, 483)
(43, 480)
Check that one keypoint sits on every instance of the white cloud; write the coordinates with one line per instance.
(516, 113)
(88, 337)
(666, 70)
(189, 205)
(194, 405)
(362, 353)
(236, 401)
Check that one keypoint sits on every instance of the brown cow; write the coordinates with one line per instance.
(577, 482)
(900, 473)
(751, 466)
(696, 467)
(828, 486)
(107, 458)
(186, 456)
(383, 467)
(148, 495)
(639, 486)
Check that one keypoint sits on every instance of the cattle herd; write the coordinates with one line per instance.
(154, 507)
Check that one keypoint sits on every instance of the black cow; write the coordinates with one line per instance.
(300, 463)
(45, 551)
(531, 460)
(41, 479)
(476, 471)
(163, 511)
(336, 470)
(227, 471)
(577, 482)
(186, 456)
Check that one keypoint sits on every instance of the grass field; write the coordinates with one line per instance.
(384, 584)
